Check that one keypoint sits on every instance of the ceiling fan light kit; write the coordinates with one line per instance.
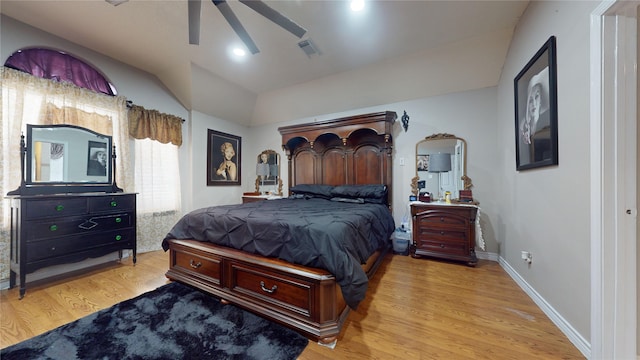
(116, 2)
(224, 8)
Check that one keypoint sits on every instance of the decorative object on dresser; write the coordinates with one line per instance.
(446, 231)
(61, 213)
(354, 150)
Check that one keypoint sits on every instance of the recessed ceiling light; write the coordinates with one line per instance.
(239, 52)
(357, 5)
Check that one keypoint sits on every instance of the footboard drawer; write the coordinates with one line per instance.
(271, 287)
(196, 264)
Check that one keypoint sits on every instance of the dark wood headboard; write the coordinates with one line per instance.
(350, 150)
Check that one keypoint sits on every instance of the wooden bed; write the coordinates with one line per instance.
(352, 150)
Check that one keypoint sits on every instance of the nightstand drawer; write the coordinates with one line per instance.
(453, 248)
(443, 234)
(449, 220)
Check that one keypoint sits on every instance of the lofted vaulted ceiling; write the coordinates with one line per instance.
(152, 35)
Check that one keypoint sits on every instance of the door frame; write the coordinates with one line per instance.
(613, 175)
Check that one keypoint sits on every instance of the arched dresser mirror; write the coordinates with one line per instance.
(66, 159)
(268, 180)
(441, 165)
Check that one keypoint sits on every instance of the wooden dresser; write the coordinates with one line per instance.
(445, 231)
(50, 230)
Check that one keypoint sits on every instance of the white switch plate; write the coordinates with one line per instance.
(401, 161)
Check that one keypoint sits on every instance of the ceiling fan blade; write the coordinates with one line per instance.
(273, 15)
(231, 18)
(194, 21)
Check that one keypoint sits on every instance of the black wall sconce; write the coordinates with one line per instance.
(405, 121)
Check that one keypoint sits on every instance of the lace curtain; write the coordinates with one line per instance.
(27, 99)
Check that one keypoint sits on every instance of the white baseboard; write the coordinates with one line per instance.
(576, 339)
(483, 255)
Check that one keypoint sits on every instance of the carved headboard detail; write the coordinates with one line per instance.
(350, 150)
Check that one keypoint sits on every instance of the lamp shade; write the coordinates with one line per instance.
(262, 169)
(440, 162)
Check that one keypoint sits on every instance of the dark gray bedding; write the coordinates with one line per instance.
(332, 235)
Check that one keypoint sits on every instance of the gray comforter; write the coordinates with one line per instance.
(332, 235)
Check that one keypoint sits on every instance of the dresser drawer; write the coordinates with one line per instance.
(56, 227)
(35, 209)
(112, 203)
(203, 266)
(70, 244)
(279, 290)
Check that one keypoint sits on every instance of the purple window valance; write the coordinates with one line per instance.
(59, 66)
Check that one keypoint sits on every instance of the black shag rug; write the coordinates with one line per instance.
(172, 322)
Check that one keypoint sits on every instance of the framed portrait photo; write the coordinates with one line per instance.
(422, 162)
(97, 158)
(536, 110)
(223, 158)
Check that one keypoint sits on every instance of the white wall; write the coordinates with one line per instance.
(546, 211)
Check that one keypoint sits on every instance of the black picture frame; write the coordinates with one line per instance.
(536, 110)
(217, 143)
(97, 158)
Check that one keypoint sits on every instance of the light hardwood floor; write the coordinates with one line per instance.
(415, 309)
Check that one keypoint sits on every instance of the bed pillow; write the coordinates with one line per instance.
(376, 194)
(314, 190)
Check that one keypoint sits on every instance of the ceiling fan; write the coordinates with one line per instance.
(256, 5)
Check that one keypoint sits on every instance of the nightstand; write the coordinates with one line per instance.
(444, 231)
(252, 198)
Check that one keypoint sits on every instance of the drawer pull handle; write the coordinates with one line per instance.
(194, 264)
(53, 227)
(113, 204)
(88, 225)
(59, 207)
(442, 246)
(441, 232)
(442, 219)
(270, 291)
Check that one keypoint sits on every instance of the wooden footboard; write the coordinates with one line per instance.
(305, 299)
